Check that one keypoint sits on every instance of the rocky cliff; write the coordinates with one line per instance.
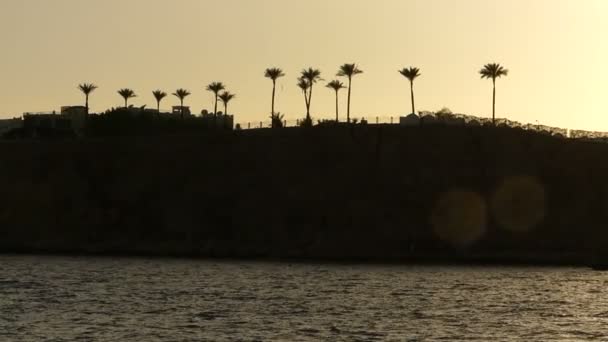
(365, 192)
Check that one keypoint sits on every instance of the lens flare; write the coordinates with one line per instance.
(460, 217)
(518, 204)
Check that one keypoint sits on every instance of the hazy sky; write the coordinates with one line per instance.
(556, 51)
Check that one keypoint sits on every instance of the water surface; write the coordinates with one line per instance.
(115, 299)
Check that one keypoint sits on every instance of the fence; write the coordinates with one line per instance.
(296, 122)
(48, 112)
(451, 119)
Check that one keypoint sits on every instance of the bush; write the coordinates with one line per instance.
(277, 120)
(307, 122)
(444, 113)
(326, 122)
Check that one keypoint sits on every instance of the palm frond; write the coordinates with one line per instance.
(216, 87)
(181, 93)
(493, 71)
(127, 93)
(87, 88)
(303, 84)
(274, 73)
(349, 70)
(159, 95)
(226, 97)
(335, 85)
(311, 75)
(410, 73)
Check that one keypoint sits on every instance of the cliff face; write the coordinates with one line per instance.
(339, 192)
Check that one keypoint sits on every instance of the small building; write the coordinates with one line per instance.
(219, 121)
(74, 110)
(429, 119)
(77, 116)
(409, 120)
(152, 111)
(70, 121)
(46, 125)
(177, 110)
(7, 125)
(452, 120)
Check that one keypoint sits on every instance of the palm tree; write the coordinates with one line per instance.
(159, 95)
(349, 70)
(127, 94)
(87, 89)
(216, 87)
(303, 85)
(226, 97)
(493, 71)
(336, 86)
(311, 76)
(273, 74)
(181, 94)
(411, 74)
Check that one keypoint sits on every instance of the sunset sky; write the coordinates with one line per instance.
(556, 52)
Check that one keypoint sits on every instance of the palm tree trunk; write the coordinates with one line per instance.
(215, 108)
(126, 103)
(309, 100)
(348, 101)
(158, 108)
(86, 115)
(273, 93)
(305, 100)
(181, 101)
(493, 101)
(226, 108)
(215, 113)
(336, 106)
(412, 94)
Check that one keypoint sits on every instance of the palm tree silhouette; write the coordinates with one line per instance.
(87, 89)
(226, 97)
(216, 87)
(273, 74)
(303, 85)
(349, 70)
(311, 76)
(127, 94)
(411, 74)
(336, 86)
(493, 71)
(159, 95)
(181, 94)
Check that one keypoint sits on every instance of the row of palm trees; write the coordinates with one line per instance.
(218, 89)
(307, 79)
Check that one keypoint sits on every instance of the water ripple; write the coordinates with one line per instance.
(103, 299)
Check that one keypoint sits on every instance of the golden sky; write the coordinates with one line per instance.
(556, 51)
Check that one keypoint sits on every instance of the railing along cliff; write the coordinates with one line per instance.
(449, 119)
